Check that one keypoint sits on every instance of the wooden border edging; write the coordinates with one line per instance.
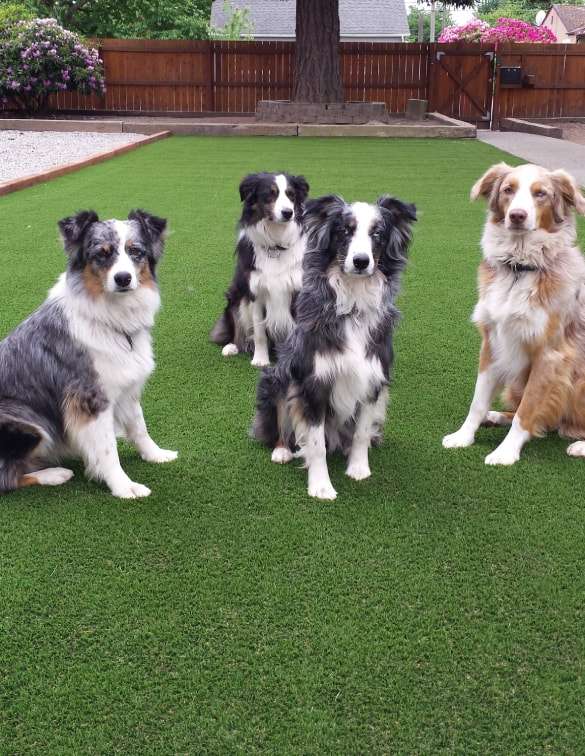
(530, 127)
(99, 157)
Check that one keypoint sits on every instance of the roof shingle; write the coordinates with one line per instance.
(572, 16)
(358, 18)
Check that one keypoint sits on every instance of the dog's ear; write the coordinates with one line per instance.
(399, 217)
(485, 185)
(567, 193)
(301, 187)
(403, 211)
(154, 230)
(153, 226)
(74, 228)
(248, 186)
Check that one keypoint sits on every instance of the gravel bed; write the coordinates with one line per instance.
(23, 153)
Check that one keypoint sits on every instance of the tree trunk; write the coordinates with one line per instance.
(317, 60)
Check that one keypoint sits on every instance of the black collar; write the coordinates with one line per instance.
(518, 268)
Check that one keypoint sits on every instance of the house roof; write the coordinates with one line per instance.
(358, 18)
(572, 16)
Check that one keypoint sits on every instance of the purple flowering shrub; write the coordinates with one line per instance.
(39, 57)
(505, 30)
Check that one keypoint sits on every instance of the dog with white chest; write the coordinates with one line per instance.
(329, 388)
(260, 301)
(72, 374)
(530, 311)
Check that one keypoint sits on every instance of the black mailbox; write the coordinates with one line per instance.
(511, 76)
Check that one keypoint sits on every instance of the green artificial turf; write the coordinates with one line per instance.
(436, 608)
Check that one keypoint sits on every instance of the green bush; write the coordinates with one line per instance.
(39, 57)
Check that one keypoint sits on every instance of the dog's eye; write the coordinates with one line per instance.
(540, 194)
(376, 236)
(135, 251)
(105, 251)
(508, 190)
(290, 194)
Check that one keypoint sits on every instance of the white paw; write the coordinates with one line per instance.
(160, 456)
(260, 360)
(132, 491)
(54, 476)
(358, 470)
(497, 418)
(322, 490)
(577, 449)
(458, 440)
(281, 455)
(230, 350)
(502, 456)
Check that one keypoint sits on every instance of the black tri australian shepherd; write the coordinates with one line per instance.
(260, 301)
(329, 388)
(72, 374)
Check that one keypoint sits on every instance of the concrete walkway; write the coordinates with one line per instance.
(551, 153)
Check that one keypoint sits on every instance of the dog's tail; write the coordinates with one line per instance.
(270, 395)
(223, 332)
(19, 437)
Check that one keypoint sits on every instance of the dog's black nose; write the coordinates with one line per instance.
(361, 262)
(518, 216)
(123, 280)
(287, 213)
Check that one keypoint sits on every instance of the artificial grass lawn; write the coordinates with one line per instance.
(437, 607)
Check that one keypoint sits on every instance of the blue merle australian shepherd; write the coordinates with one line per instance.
(268, 274)
(329, 388)
(71, 375)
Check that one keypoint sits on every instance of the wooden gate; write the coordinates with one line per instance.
(462, 81)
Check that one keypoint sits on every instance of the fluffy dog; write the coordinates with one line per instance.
(531, 311)
(329, 388)
(269, 253)
(71, 375)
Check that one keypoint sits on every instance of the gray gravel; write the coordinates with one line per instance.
(23, 153)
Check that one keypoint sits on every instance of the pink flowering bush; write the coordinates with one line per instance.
(505, 30)
(39, 57)
(472, 31)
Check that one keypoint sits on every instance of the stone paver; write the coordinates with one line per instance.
(551, 153)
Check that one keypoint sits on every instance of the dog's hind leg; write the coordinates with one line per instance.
(497, 419)
(370, 418)
(281, 453)
(50, 476)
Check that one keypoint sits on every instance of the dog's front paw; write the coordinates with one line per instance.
(131, 490)
(458, 440)
(160, 456)
(281, 455)
(358, 470)
(261, 360)
(576, 449)
(230, 350)
(322, 490)
(502, 456)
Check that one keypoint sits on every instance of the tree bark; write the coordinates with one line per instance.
(317, 59)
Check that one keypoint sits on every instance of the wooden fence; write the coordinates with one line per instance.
(462, 80)
(157, 76)
(553, 82)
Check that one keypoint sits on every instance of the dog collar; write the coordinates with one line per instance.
(517, 268)
(274, 248)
